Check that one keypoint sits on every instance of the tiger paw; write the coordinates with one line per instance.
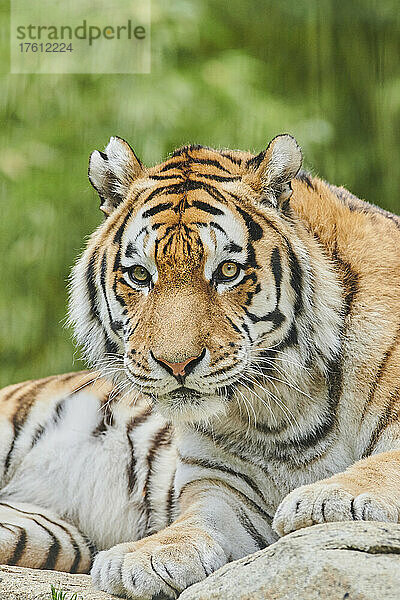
(151, 569)
(323, 502)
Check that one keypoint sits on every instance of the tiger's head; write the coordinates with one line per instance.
(193, 271)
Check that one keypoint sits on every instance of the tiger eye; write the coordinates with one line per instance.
(229, 270)
(139, 275)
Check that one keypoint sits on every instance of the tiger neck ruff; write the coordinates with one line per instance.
(242, 320)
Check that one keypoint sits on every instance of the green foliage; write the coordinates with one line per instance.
(58, 594)
(228, 73)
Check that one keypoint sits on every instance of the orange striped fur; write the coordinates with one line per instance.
(243, 324)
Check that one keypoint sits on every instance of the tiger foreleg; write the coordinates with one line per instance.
(34, 537)
(369, 490)
(215, 527)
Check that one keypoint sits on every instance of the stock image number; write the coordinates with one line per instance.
(45, 47)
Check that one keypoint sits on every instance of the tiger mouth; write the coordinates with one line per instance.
(185, 394)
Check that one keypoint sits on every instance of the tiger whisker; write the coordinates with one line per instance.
(262, 400)
(285, 409)
(245, 400)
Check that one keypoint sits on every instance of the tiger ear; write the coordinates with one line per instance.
(275, 168)
(111, 172)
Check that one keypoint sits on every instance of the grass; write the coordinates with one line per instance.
(59, 594)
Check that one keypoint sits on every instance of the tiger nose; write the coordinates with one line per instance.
(180, 369)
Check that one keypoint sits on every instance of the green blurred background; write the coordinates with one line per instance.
(230, 73)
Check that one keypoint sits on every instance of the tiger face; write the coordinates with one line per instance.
(191, 273)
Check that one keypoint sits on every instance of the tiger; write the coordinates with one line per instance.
(241, 321)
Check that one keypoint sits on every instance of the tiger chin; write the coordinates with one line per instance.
(242, 321)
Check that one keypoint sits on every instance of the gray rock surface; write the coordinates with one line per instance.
(17, 583)
(335, 561)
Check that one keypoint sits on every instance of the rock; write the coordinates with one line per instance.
(17, 583)
(335, 561)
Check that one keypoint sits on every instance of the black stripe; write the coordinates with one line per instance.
(21, 414)
(174, 165)
(162, 438)
(37, 435)
(325, 427)
(15, 388)
(107, 419)
(91, 287)
(130, 250)
(116, 267)
(218, 177)
(121, 228)
(254, 229)
(130, 471)
(58, 410)
(191, 163)
(232, 247)
(53, 552)
(229, 444)
(221, 371)
(249, 277)
(276, 317)
(291, 339)
(305, 177)
(310, 439)
(166, 177)
(19, 547)
(170, 502)
(193, 185)
(184, 150)
(203, 185)
(249, 293)
(134, 422)
(218, 227)
(386, 419)
(144, 378)
(265, 429)
(296, 278)
(247, 330)
(235, 327)
(350, 279)
(276, 267)
(115, 325)
(251, 530)
(235, 160)
(218, 483)
(110, 346)
(211, 162)
(296, 273)
(157, 209)
(208, 464)
(380, 372)
(164, 189)
(255, 233)
(53, 421)
(255, 161)
(77, 552)
(207, 207)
